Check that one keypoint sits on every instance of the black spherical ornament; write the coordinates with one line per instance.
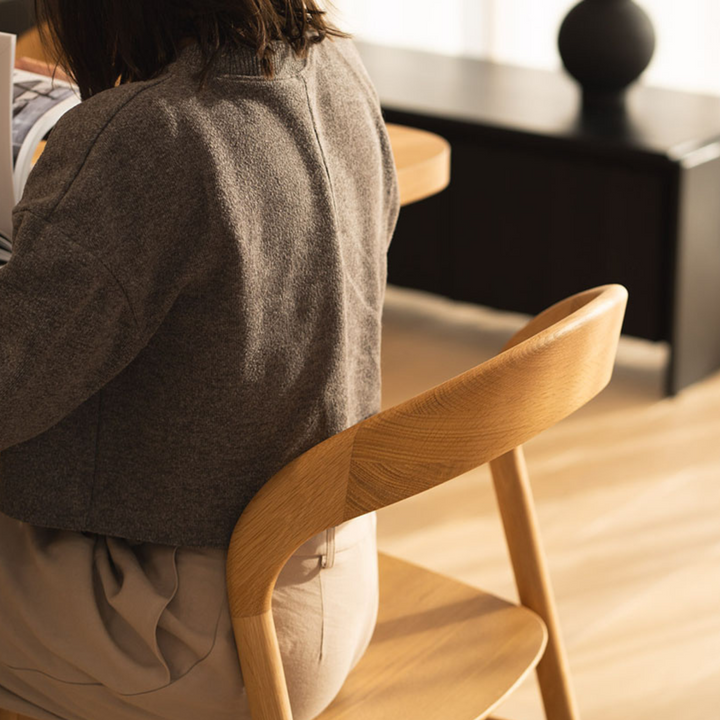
(605, 45)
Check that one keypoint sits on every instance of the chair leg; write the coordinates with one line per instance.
(517, 509)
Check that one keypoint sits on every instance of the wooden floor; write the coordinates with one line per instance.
(628, 494)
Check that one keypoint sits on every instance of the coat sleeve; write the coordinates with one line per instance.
(66, 329)
(106, 236)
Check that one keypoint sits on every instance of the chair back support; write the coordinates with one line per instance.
(559, 361)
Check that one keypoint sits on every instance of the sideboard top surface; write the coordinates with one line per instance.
(539, 102)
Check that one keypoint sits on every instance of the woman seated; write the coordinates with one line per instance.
(194, 299)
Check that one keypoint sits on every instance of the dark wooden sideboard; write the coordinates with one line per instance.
(544, 202)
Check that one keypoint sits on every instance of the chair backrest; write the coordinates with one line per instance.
(553, 366)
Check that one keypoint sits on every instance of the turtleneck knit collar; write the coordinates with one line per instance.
(242, 61)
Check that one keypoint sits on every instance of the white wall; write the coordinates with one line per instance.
(524, 32)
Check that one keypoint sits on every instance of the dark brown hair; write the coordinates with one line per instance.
(101, 43)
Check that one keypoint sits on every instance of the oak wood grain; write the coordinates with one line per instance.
(522, 533)
(548, 371)
(441, 649)
(422, 161)
(628, 502)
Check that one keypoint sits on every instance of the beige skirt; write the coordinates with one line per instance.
(94, 627)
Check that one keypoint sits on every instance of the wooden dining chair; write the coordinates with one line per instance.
(441, 649)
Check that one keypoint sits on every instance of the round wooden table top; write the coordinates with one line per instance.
(422, 160)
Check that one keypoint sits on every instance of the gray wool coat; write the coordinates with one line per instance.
(195, 294)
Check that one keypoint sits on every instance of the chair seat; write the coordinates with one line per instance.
(441, 650)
